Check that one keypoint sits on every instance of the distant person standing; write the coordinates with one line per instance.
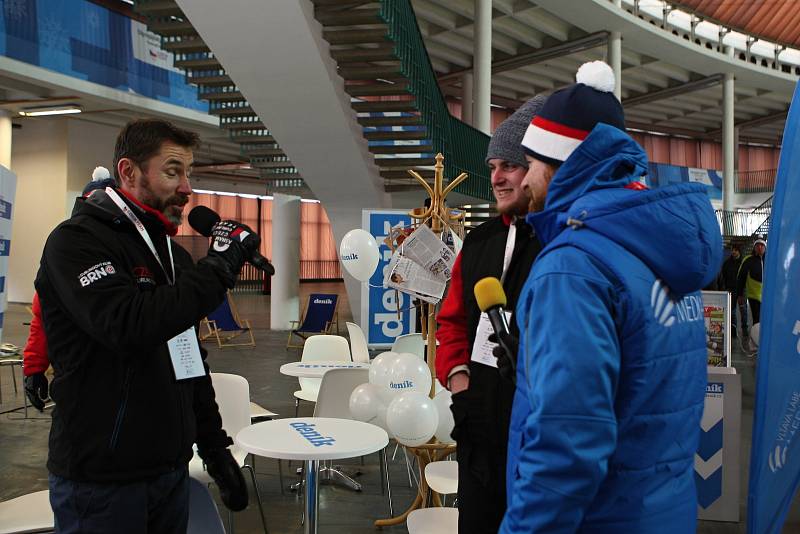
(728, 277)
(751, 278)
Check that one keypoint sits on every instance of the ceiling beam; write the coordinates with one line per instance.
(669, 92)
(592, 40)
(758, 121)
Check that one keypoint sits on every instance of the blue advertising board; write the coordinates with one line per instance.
(8, 190)
(87, 41)
(380, 319)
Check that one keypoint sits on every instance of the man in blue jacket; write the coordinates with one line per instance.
(612, 365)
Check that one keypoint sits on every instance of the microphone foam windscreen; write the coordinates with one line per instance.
(489, 293)
(203, 219)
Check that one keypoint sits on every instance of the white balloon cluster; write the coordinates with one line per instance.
(359, 254)
(396, 399)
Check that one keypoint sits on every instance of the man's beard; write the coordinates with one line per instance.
(535, 204)
(162, 206)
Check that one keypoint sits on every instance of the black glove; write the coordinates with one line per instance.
(36, 390)
(228, 475)
(232, 244)
(506, 363)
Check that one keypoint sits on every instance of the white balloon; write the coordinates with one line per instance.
(412, 418)
(380, 367)
(409, 373)
(367, 404)
(755, 333)
(358, 253)
(442, 401)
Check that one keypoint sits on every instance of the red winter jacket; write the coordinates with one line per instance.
(34, 357)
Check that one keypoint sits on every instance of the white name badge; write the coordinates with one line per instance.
(482, 348)
(185, 354)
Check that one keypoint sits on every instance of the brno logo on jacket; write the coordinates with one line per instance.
(668, 311)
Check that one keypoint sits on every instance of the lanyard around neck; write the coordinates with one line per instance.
(143, 232)
(509, 252)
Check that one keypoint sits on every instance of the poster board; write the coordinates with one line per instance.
(717, 313)
(8, 189)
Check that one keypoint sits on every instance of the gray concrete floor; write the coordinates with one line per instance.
(23, 442)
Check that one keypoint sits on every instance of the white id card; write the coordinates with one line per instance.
(482, 348)
(185, 354)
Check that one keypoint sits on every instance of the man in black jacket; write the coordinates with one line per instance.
(728, 278)
(120, 304)
(503, 247)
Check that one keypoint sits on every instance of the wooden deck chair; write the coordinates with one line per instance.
(224, 324)
(319, 316)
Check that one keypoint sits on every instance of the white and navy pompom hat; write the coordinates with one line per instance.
(571, 113)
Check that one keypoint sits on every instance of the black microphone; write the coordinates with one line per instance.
(491, 300)
(203, 219)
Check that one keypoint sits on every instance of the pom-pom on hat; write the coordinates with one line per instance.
(571, 113)
(101, 179)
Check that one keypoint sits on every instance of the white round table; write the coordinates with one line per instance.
(312, 439)
(318, 368)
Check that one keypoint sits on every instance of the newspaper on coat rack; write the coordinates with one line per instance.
(421, 266)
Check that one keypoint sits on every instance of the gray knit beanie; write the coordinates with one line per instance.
(505, 142)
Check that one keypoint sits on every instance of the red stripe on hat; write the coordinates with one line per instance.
(559, 129)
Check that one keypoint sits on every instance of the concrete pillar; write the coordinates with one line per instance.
(482, 66)
(728, 143)
(467, 80)
(615, 57)
(284, 303)
(5, 139)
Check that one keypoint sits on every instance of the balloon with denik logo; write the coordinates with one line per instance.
(358, 253)
(367, 404)
(442, 401)
(412, 418)
(380, 367)
(409, 373)
(755, 334)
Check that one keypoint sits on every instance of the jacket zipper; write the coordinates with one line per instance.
(122, 408)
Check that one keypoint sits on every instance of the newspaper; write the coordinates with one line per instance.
(421, 266)
(411, 278)
(426, 249)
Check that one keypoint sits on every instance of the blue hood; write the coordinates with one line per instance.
(673, 229)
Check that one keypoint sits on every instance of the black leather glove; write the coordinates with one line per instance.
(36, 390)
(228, 475)
(506, 363)
(232, 244)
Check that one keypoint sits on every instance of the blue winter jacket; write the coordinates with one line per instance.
(612, 363)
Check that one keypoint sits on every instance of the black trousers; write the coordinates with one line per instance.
(755, 309)
(481, 415)
(154, 506)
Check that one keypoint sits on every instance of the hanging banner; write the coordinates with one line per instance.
(775, 455)
(380, 319)
(8, 188)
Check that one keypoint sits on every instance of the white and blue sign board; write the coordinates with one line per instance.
(8, 189)
(716, 462)
(380, 320)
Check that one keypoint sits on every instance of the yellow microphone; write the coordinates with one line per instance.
(491, 300)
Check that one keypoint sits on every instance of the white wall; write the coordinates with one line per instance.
(39, 159)
(53, 159)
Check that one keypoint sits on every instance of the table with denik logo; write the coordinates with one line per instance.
(311, 440)
(315, 369)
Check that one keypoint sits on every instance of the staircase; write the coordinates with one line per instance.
(192, 55)
(741, 222)
(382, 59)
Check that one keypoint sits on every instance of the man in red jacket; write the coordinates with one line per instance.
(482, 398)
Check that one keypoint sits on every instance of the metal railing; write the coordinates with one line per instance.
(745, 223)
(762, 181)
(464, 146)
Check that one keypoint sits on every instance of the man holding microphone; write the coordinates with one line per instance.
(120, 304)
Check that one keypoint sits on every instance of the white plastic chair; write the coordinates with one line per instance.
(334, 401)
(442, 476)
(27, 513)
(322, 347)
(412, 343)
(233, 398)
(203, 513)
(358, 343)
(433, 521)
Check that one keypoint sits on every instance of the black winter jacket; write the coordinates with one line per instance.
(108, 312)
